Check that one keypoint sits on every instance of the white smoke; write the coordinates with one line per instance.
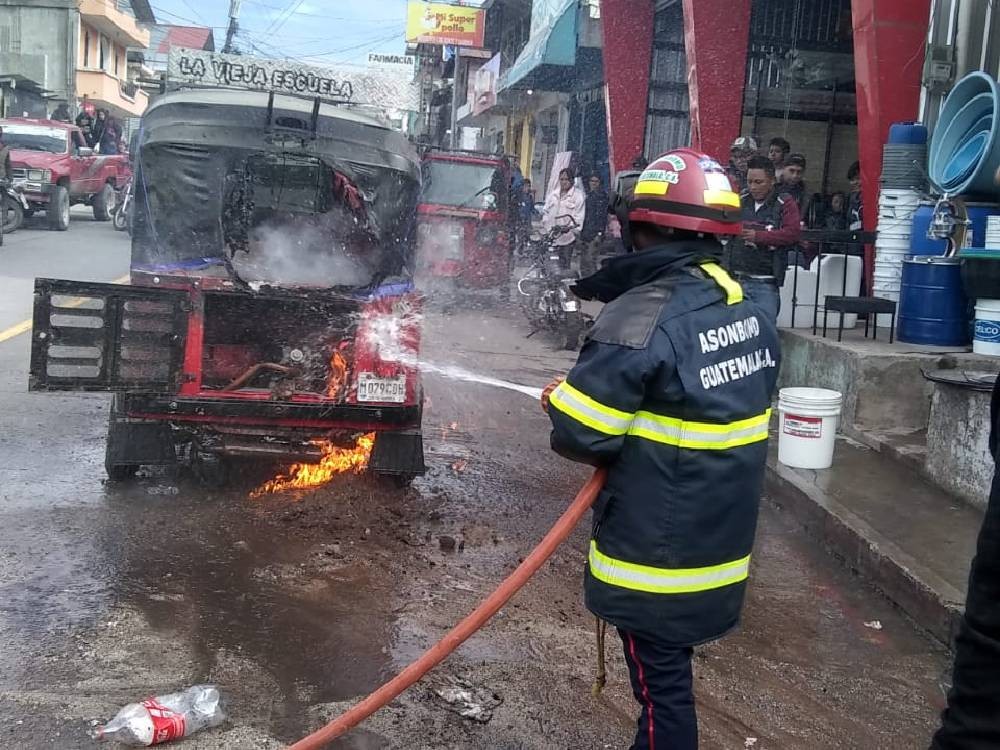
(306, 250)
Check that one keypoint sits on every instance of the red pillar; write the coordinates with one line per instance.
(716, 36)
(889, 39)
(628, 46)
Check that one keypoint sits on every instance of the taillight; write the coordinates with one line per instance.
(386, 351)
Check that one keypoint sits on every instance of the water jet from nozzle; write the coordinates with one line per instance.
(458, 373)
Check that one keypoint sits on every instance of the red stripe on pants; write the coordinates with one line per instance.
(645, 689)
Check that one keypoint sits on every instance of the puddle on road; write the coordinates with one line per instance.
(261, 606)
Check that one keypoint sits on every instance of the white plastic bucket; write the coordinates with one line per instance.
(807, 426)
(899, 197)
(893, 239)
(886, 279)
(895, 220)
(886, 284)
(987, 337)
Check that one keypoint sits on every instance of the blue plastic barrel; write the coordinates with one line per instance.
(979, 214)
(908, 132)
(933, 309)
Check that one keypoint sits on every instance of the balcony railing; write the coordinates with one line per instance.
(128, 89)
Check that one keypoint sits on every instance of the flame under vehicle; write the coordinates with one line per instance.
(271, 313)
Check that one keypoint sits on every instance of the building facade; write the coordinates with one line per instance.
(107, 30)
(71, 52)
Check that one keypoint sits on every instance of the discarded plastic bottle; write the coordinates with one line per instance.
(165, 717)
(162, 489)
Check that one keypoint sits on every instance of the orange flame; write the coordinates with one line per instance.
(335, 460)
(338, 375)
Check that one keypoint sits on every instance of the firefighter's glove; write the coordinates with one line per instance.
(547, 391)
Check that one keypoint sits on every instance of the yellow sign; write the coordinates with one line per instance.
(440, 23)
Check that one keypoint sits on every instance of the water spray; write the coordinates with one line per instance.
(457, 373)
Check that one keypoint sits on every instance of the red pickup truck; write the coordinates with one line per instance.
(56, 168)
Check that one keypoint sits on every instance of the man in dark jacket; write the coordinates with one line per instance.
(743, 149)
(86, 124)
(855, 209)
(595, 223)
(793, 181)
(771, 227)
(672, 393)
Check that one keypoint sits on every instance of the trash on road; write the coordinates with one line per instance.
(874, 625)
(468, 701)
(165, 717)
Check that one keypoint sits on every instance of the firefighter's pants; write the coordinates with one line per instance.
(662, 684)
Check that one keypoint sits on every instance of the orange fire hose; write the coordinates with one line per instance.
(461, 632)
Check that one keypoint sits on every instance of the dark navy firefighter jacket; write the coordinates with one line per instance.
(672, 392)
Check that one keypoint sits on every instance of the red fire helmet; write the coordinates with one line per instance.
(684, 189)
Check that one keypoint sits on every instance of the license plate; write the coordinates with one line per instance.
(382, 390)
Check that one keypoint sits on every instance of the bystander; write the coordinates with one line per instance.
(595, 224)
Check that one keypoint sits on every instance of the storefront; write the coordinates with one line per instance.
(800, 85)
(555, 90)
(733, 48)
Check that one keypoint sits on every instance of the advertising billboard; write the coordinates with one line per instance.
(441, 23)
(484, 87)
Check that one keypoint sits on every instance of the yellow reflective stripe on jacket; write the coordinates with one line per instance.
(581, 407)
(577, 405)
(700, 435)
(732, 288)
(665, 580)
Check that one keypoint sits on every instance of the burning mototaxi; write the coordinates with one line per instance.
(270, 312)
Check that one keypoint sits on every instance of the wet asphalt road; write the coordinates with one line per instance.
(298, 605)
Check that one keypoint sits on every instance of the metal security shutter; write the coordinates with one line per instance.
(668, 119)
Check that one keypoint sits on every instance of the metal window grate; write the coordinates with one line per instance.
(105, 337)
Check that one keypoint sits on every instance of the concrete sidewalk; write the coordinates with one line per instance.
(887, 523)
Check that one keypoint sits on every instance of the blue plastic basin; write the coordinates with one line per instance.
(966, 159)
(965, 148)
(974, 117)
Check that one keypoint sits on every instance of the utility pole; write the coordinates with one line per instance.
(234, 16)
(455, 140)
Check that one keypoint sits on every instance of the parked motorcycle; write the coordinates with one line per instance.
(121, 213)
(545, 292)
(14, 206)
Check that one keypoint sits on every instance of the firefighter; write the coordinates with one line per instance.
(671, 393)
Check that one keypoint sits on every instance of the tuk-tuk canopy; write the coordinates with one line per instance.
(209, 159)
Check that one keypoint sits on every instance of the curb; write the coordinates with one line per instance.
(930, 602)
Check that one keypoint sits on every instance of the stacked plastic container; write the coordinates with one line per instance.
(965, 149)
(981, 277)
(899, 198)
(964, 155)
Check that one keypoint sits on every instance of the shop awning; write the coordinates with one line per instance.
(547, 59)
